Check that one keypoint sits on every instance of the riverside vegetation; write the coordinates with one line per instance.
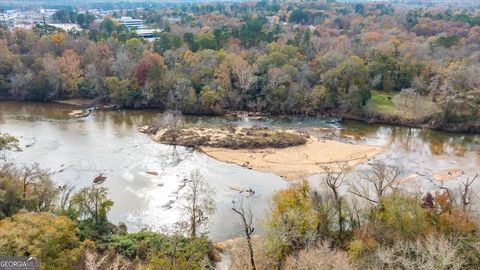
(229, 137)
(373, 61)
(369, 223)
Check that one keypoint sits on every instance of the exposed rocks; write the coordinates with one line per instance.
(99, 179)
(147, 129)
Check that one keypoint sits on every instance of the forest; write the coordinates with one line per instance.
(371, 62)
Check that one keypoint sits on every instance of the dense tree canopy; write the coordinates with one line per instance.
(293, 58)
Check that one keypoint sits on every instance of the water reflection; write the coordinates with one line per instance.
(78, 149)
(416, 140)
(108, 142)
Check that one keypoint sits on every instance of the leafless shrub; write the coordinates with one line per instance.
(320, 258)
(463, 196)
(434, 252)
(235, 254)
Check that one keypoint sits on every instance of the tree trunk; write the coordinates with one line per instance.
(250, 250)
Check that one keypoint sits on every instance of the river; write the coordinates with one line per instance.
(78, 149)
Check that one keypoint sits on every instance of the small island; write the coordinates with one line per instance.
(291, 154)
(230, 137)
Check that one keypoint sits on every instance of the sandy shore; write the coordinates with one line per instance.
(448, 174)
(294, 163)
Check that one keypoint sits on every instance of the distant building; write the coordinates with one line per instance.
(67, 26)
(173, 20)
(96, 24)
(131, 23)
(23, 26)
(9, 17)
(20, 19)
(148, 34)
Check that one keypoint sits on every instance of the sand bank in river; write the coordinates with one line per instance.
(296, 162)
(227, 137)
(448, 174)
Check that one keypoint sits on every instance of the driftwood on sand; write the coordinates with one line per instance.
(81, 113)
(99, 179)
(249, 191)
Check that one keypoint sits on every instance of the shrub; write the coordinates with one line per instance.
(163, 251)
(52, 239)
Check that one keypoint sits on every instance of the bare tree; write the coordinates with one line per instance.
(20, 81)
(355, 212)
(52, 68)
(171, 121)
(245, 74)
(325, 210)
(247, 223)
(30, 176)
(410, 94)
(197, 204)
(377, 181)
(463, 195)
(466, 193)
(334, 178)
(65, 193)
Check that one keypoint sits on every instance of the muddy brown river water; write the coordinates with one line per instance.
(77, 149)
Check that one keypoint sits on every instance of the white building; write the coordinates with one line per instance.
(131, 23)
(148, 34)
(67, 26)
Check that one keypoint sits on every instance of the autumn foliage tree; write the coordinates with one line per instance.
(292, 223)
(70, 72)
(149, 68)
(52, 239)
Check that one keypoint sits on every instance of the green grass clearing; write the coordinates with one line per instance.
(382, 102)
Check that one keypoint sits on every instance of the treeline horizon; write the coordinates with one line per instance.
(368, 60)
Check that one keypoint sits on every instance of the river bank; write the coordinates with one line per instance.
(429, 123)
(464, 127)
(108, 142)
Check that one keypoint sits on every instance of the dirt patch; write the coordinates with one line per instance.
(297, 162)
